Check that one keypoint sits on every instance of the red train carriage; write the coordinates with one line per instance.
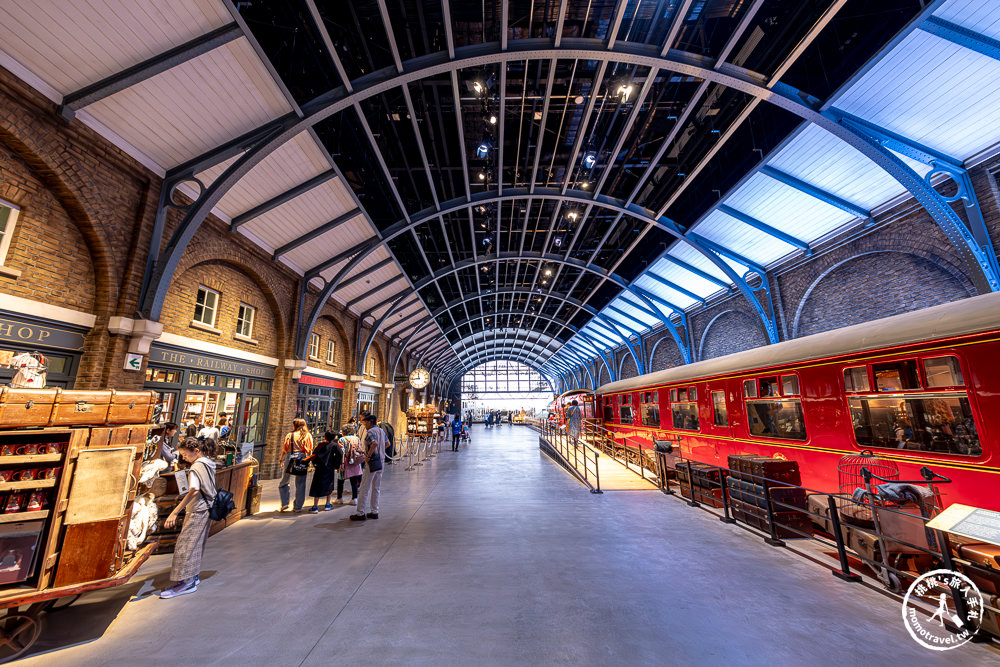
(583, 397)
(922, 388)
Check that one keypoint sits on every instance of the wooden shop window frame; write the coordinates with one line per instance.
(8, 220)
(214, 309)
(314, 347)
(331, 352)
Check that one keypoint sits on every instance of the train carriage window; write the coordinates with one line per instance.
(625, 412)
(943, 372)
(609, 410)
(930, 422)
(896, 376)
(673, 395)
(768, 386)
(777, 418)
(856, 379)
(650, 414)
(789, 385)
(719, 408)
(750, 388)
(684, 411)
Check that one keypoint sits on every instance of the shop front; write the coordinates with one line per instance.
(368, 399)
(320, 401)
(60, 344)
(193, 384)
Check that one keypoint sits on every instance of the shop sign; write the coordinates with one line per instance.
(41, 336)
(158, 355)
(321, 382)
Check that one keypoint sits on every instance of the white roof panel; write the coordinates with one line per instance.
(934, 92)
(330, 244)
(294, 163)
(750, 242)
(73, 44)
(787, 209)
(194, 107)
(982, 16)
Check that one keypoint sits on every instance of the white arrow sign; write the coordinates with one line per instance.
(133, 362)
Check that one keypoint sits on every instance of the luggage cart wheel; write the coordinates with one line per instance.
(18, 632)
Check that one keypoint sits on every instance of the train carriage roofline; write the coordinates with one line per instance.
(975, 315)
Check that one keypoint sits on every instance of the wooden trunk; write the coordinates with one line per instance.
(26, 407)
(131, 407)
(77, 408)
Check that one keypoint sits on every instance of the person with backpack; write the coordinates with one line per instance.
(456, 433)
(351, 468)
(326, 459)
(390, 440)
(297, 445)
(371, 481)
(194, 532)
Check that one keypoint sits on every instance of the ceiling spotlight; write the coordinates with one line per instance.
(625, 91)
(482, 150)
(557, 241)
(589, 160)
(578, 99)
(482, 175)
(478, 87)
(545, 282)
(548, 272)
(572, 215)
(584, 185)
(493, 119)
(482, 209)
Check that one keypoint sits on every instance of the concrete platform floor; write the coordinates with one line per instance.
(494, 556)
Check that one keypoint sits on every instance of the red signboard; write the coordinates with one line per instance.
(321, 382)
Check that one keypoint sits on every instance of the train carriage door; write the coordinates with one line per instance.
(718, 421)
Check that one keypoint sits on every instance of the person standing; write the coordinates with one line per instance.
(167, 452)
(297, 444)
(327, 459)
(192, 428)
(353, 455)
(190, 546)
(209, 431)
(456, 433)
(574, 420)
(371, 481)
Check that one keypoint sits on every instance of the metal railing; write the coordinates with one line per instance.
(630, 453)
(580, 457)
(896, 546)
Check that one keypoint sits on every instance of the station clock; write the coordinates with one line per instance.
(420, 378)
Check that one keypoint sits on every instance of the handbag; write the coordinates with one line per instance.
(296, 465)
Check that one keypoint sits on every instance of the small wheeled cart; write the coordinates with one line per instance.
(20, 625)
(69, 470)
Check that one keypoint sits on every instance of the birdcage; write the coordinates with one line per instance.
(850, 478)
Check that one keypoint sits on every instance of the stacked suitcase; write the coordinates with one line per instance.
(701, 483)
(746, 484)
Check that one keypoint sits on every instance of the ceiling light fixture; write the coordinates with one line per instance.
(482, 175)
(493, 119)
(483, 150)
(589, 160)
(572, 215)
(625, 91)
(478, 87)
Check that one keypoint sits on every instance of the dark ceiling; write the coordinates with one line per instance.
(664, 141)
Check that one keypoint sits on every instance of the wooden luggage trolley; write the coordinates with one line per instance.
(69, 465)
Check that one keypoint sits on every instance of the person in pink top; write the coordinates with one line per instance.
(352, 471)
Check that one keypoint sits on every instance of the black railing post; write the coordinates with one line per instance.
(845, 567)
(773, 540)
(725, 518)
(692, 502)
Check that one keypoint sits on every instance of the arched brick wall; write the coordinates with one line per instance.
(874, 285)
(665, 354)
(603, 374)
(731, 331)
(627, 367)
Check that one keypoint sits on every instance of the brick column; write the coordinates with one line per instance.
(280, 413)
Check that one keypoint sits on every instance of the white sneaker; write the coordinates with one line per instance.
(354, 501)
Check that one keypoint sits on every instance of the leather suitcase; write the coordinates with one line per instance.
(778, 470)
(26, 407)
(77, 408)
(735, 462)
(987, 556)
(131, 407)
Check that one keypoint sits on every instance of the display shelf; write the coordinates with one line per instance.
(30, 458)
(24, 516)
(28, 484)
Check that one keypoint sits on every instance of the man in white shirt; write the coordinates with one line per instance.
(371, 481)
